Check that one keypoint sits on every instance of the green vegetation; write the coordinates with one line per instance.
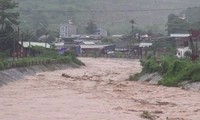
(44, 56)
(91, 27)
(8, 20)
(173, 70)
(193, 17)
(177, 25)
(193, 14)
(53, 12)
(181, 24)
(30, 61)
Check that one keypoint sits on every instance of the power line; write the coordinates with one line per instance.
(6, 37)
(105, 11)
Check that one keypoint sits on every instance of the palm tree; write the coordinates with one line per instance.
(8, 18)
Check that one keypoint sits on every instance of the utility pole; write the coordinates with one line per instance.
(46, 37)
(22, 45)
(18, 39)
(29, 47)
(14, 47)
(132, 22)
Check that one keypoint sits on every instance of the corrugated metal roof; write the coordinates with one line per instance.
(88, 42)
(26, 44)
(179, 35)
(93, 46)
(59, 44)
(145, 44)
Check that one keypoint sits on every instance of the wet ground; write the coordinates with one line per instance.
(97, 91)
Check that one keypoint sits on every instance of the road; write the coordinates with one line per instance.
(97, 91)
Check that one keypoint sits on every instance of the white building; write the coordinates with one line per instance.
(181, 52)
(101, 32)
(68, 30)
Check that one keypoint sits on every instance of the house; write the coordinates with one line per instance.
(144, 37)
(71, 45)
(181, 43)
(121, 46)
(59, 45)
(181, 52)
(143, 45)
(88, 43)
(101, 32)
(68, 30)
(26, 44)
(195, 43)
(117, 36)
(25, 48)
(43, 38)
(96, 49)
(181, 40)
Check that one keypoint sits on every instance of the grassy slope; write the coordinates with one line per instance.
(114, 21)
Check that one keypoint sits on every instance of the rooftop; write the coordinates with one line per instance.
(179, 35)
(41, 44)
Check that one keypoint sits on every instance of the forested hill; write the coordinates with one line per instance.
(111, 14)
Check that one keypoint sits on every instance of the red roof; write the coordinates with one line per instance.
(195, 33)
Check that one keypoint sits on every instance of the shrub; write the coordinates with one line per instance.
(165, 66)
(180, 71)
(174, 70)
(192, 73)
(150, 66)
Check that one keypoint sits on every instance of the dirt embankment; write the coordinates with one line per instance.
(97, 91)
(154, 78)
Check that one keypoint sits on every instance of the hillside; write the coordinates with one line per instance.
(111, 14)
(193, 14)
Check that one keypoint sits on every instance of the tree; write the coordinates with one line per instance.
(91, 27)
(177, 25)
(39, 20)
(27, 35)
(8, 18)
(195, 26)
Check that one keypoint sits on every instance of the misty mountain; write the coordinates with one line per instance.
(113, 15)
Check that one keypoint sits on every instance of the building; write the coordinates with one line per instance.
(121, 46)
(181, 40)
(96, 49)
(59, 45)
(25, 48)
(71, 45)
(33, 44)
(68, 30)
(181, 43)
(101, 32)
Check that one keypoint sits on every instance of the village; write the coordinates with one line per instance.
(100, 44)
(99, 60)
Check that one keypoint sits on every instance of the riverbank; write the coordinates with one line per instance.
(170, 72)
(154, 78)
(14, 74)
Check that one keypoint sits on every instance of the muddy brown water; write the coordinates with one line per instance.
(97, 91)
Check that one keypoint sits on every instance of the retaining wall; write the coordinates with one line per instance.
(15, 74)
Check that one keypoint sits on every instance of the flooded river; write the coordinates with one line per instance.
(97, 91)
